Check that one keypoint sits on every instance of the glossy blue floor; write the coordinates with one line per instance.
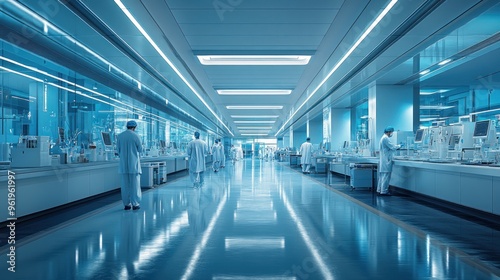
(260, 220)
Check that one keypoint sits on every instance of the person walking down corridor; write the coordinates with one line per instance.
(197, 149)
(217, 156)
(306, 155)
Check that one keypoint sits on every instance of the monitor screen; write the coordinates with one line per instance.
(346, 144)
(481, 128)
(61, 135)
(419, 135)
(174, 145)
(454, 139)
(106, 139)
(162, 143)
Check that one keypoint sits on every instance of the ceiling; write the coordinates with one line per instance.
(324, 29)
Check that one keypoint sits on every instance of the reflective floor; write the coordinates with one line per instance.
(258, 220)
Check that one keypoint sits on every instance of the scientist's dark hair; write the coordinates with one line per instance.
(197, 135)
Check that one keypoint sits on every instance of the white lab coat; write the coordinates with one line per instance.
(196, 151)
(306, 153)
(129, 147)
(387, 150)
(217, 153)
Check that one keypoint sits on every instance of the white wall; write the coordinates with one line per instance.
(390, 106)
(341, 127)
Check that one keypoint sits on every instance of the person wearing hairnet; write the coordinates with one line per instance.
(387, 149)
(306, 155)
(129, 147)
(197, 149)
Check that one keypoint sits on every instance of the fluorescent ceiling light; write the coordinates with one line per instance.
(243, 107)
(132, 19)
(446, 61)
(255, 134)
(343, 59)
(253, 127)
(435, 107)
(429, 92)
(254, 131)
(254, 91)
(254, 122)
(254, 59)
(426, 71)
(253, 116)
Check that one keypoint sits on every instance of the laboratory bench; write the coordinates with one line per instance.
(466, 184)
(40, 188)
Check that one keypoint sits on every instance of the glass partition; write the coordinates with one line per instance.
(41, 98)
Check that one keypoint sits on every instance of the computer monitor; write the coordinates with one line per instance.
(61, 133)
(454, 140)
(106, 139)
(481, 129)
(346, 144)
(419, 135)
(162, 144)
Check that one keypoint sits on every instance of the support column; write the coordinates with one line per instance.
(389, 105)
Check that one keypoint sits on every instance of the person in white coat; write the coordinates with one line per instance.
(129, 147)
(197, 149)
(387, 150)
(223, 154)
(216, 156)
(306, 155)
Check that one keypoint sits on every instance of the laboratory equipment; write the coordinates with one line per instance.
(362, 175)
(106, 140)
(31, 151)
(419, 135)
(481, 129)
(108, 145)
(149, 176)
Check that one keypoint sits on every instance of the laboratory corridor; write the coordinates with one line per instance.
(254, 219)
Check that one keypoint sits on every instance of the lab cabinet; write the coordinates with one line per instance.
(362, 175)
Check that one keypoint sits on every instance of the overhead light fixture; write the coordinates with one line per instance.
(254, 91)
(254, 59)
(430, 92)
(255, 134)
(250, 107)
(426, 71)
(446, 61)
(254, 116)
(253, 127)
(343, 59)
(254, 122)
(153, 44)
(435, 107)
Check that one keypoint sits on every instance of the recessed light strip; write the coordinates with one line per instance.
(255, 122)
(253, 127)
(160, 52)
(254, 116)
(254, 91)
(244, 107)
(254, 59)
(341, 61)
